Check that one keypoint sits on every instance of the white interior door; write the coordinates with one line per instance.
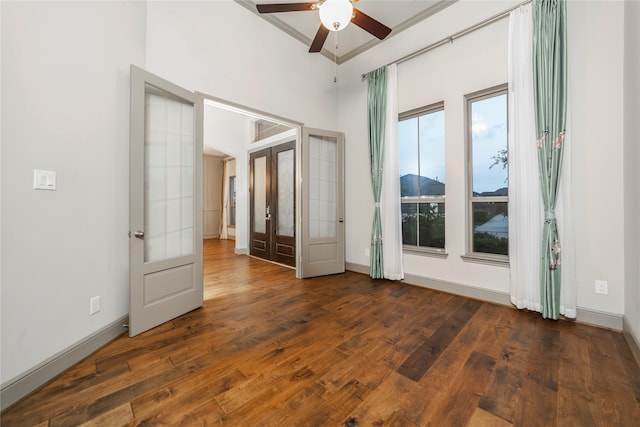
(322, 239)
(165, 250)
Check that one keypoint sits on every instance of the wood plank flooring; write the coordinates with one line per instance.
(344, 350)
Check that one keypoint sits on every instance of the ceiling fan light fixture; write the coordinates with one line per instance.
(335, 15)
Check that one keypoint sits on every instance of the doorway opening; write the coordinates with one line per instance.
(232, 135)
(170, 129)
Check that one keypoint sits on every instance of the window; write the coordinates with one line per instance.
(232, 200)
(488, 185)
(422, 174)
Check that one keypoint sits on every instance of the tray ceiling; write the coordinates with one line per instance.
(395, 14)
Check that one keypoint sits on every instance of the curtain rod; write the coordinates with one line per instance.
(457, 35)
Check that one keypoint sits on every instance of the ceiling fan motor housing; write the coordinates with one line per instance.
(336, 15)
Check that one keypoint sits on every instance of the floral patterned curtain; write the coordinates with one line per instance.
(377, 105)
(550, 95)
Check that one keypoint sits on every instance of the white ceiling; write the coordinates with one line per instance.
(395, 14)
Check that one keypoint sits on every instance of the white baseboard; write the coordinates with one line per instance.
(599, 318)
(444, 286)
(590, 316)
(17, 388)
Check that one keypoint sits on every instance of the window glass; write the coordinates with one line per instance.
(409, 162)
(422, 174)
(431, 128)
(489, 136)
(489, 195)
(490, 228)
(431, 222)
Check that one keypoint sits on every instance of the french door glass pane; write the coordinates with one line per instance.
(491, 227)
(168, 176)
(260, 195)
(285, 189)
(323, 186)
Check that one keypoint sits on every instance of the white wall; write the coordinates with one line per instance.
(65, 107)
(224, 50)
(631, 162)
(595, 33)
(478, 61)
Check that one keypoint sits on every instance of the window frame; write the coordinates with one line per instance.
(417, 249)
(469, 99)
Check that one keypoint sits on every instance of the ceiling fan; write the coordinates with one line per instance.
(335, 15)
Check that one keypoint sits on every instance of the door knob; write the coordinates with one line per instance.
(139, 234)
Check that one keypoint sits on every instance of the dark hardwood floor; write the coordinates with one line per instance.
(345, 350)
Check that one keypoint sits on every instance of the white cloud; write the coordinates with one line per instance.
(478, 123)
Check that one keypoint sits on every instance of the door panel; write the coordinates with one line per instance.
(283, 172)
(273, 204)
(165, 201)
(260, 189)
(322, 203)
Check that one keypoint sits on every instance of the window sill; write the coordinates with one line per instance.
(487, 259)
(434, 253)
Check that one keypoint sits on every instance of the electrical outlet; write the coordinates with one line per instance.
(602, 287)
(366, 252)
(94, 305)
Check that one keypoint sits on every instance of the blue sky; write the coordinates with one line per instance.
(489, 132)
(432, 160)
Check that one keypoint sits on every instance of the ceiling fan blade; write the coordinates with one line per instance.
(285, 7)
(319, 39)
(370, 25)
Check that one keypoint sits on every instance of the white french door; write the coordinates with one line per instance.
(165, 249)
(322, 240)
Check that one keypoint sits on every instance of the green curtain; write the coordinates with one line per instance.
(377, 105)
(550, 97)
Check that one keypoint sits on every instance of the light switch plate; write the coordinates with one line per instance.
(44, 180)
(602, 287)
